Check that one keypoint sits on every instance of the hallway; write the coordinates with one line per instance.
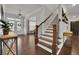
(47, 22)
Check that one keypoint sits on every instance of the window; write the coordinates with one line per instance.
(32, 23)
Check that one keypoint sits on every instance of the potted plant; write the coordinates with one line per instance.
(5, 26)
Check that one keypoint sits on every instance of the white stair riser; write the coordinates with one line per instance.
(50, 26)
(49, 43)
(49, 30)
(49, 34)
(45, 48)
(51, 38)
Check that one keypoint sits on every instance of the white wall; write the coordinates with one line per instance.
(40, 14)
(63, 27)
(45, 12)
(0, 15)
(0, 11)
(74, 19)
(13, 18)
(0, 18)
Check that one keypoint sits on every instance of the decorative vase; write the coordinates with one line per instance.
(5, 32)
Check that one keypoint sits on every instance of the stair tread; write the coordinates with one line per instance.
(47, 39)
(45, 48)
(47, 35)
(50, 26)
(50, 29)
(48, 32)
(47, 42)
(49, 49)
(49, 45)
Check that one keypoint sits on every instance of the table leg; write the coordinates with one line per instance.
(11, 46)
(8, 47)
(16, 46)
(0, 47)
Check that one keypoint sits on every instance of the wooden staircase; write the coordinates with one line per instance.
(45, 40)
(49, 40)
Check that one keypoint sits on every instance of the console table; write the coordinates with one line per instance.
(10, 36)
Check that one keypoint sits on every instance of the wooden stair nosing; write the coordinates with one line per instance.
(45, 48)
(49, 29)
(45, 39)
(48, 32)
(47, 35)
(42, 43)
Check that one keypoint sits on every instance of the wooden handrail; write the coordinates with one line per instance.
(37, 26)
(46, 19)
(36, 30)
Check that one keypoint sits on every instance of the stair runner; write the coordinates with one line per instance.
(45, 40)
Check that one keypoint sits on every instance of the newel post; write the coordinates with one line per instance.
(54, 42)
(36, 35)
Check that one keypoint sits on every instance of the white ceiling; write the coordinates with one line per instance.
(72, 10)
(51, 7)
(27, 8)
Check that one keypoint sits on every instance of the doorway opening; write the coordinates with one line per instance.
(75, 28)
(32, 25)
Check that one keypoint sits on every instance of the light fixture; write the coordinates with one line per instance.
(73, 4)
(73, 16)
(20, 15)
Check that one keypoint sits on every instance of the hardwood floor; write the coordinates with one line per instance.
(27, 46)
(67, 48)
(74, 49)
(75, 45)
